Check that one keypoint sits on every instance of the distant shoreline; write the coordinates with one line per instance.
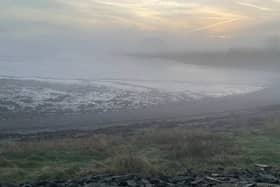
(251, 59)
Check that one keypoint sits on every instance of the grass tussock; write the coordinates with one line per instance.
(192, 148)
(166, 151)
(131, 163)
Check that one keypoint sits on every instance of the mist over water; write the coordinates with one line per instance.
(163, 75)
(122, 67)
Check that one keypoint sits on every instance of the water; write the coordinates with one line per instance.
(152, 73)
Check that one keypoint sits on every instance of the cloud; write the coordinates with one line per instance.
(261, 8)
(136, 20)
(215, 25)
(152, 15)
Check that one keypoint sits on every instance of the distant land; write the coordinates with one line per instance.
(259, 59)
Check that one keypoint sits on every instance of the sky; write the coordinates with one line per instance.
(58, 27)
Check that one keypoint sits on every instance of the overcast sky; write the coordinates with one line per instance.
(60, 26)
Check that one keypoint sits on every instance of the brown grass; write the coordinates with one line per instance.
(131, 163)
(193, 147)
(148, 152)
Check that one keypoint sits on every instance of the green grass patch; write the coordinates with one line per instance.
(263, 145)
(18, 166)
(168, 151)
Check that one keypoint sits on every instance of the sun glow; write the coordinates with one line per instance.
(211, 17)
(156, 15)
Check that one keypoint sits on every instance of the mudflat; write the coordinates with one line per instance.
(26, 122)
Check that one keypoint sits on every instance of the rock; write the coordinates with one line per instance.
(262, 166)
(218, 178)
(214, 180)
(131, 183)
(146, 183)
(251, 185)
(24, 185)
(98, 185)
(215, 174)
(70, 183)
(155, 181)
(228, 185)
(52, 184)
(180, 179)
(267, 178)
(197, 181)
(267, 185)
(43, 184)
(122, 183)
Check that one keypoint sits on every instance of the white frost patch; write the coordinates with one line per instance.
(196, 90)
(106, 95)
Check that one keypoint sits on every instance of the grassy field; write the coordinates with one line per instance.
(149, 151)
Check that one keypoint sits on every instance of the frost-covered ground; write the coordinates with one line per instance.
(53, 95)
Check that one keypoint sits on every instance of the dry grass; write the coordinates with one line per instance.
(147, 152)
(192, 146)
(131, 163)
(98, 143)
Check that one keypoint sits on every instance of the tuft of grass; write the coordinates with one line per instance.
(131, 163)
(192, 147)
(46, 159)
(262, 145)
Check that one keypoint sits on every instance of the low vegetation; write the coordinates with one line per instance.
(167, 151)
